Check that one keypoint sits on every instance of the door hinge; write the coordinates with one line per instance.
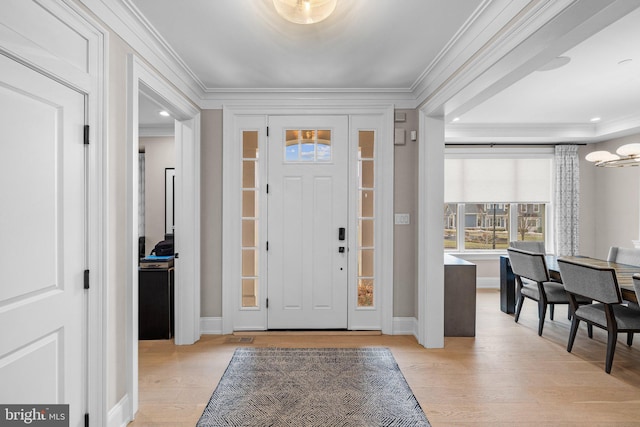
(267, 245)
(86, 420)
(267, 302)
(86, 279)
(267, 188)
(267, 130)
(86, 134)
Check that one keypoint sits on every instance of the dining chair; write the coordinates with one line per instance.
(531, 246)
(537, 247)
(533, 282)
(630, 256)
(599, 284)
(620, 255)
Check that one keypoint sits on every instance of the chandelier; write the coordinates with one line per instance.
(305, 11)
(627, 155)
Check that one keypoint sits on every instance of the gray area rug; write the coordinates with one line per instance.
(313, 387)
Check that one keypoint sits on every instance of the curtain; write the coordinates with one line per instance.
(567, 199)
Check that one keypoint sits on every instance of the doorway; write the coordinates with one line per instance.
(307, 258)
(143, 80)
(258, 225)
(157, 159)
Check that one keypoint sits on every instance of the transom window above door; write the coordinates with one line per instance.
(308, 145)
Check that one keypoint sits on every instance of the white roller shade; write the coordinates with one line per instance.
(498, 180)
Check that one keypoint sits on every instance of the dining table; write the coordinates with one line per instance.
(624, 275)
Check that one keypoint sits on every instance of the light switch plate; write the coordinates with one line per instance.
(402, 219)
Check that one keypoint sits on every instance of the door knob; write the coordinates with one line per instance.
(341, 249)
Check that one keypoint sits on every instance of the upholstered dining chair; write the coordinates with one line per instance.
(531, 246)
(533, 282)
(629, 256)
(537, 247)
(607, 312)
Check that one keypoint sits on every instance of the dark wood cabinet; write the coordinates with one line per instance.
(459, 297)
(155, 304)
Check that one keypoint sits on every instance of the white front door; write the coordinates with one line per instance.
(42, 189)
(307, 220)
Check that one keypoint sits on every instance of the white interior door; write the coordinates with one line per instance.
(42, 188)
(307, 207)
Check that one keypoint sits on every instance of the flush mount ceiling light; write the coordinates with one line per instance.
(164, 113)
(305, 11)
(627, 155)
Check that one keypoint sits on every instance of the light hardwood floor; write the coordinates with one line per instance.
(507, 375)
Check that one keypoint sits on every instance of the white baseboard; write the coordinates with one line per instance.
(119, 415)
(488, 283)
(405, 326)
(211, 325)
(401, 326)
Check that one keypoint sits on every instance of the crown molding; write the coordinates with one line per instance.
(540, 32)
(309, 98)
(496, 30)
(518, 133)
(623, 126)
(500, 43)
(129, 24)
(542, 132)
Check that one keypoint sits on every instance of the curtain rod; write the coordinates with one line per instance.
(493, 144)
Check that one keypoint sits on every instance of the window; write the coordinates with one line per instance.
(451, 226)
(250, 218)
(486, 226)
(492, 198)
(366, 192)
(531, 222)
(308, 145)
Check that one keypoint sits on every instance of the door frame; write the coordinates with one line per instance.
(141, 78)
(379, 118)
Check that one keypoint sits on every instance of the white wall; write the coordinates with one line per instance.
(159, 155)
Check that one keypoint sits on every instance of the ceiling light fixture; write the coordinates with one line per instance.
(305, 11)
(595, 119)
(164, 113)
(627, 155)
(456, 119)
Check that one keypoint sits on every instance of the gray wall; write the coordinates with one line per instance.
(211, 219)
(610, 213)
(116, 316)
(405, 240)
